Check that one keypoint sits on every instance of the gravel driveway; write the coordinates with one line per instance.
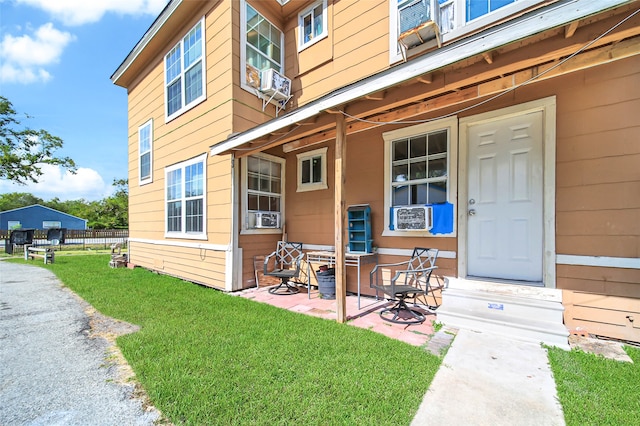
(58, 365)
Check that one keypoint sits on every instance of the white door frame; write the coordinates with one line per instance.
(548, 108)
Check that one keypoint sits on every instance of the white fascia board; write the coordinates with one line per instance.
(151, 33)
(553, 16)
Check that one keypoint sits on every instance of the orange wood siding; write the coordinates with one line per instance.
(187, 136)
(602, 315)
(357, 47)
(360, 48)
(598, 153)
(202, 266)
(255, 245)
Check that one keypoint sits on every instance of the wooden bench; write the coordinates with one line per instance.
(46, 253)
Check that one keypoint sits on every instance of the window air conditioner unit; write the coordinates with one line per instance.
(267, 220)
(275, 85)
(412, 218)
(419, 22)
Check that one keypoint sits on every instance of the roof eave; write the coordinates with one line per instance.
(161, 20)
(527, 25)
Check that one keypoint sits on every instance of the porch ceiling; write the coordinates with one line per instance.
(469, 70)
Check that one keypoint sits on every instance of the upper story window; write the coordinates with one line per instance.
(263, 46)
(185, 73)
(312, 24)
(420, 166)
(145, 149)
(477, 8)
(312, 170)
(263, 193)
(455, 17)
(185, 190)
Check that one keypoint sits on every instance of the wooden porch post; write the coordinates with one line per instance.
(339, 202)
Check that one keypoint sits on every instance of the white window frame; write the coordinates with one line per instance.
(302, 44)
(450, 124)
(202, 235)
(46, 224)
(13, 224)
(143, 180)
(182, 74)
(460, 26)
(243, 49)
(245, 195)
(309, 156)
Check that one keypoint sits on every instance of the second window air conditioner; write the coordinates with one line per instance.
(275, 85)
(267, 220)
(412, 218)
(418, 21)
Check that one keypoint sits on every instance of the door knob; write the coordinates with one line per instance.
(472, 212)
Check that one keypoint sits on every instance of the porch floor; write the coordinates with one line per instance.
(368, 316)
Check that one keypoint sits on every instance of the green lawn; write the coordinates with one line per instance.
(205, 357)
(597, 391)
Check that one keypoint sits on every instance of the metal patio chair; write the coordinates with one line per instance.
(405, 280)
(284, 263)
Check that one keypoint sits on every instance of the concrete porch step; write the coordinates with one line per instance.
(496, 305)
(528, 316)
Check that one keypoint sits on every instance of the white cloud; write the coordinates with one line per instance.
(25, 57)
(57, 182)
(79, 12)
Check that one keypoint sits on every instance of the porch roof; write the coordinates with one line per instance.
(529, 24)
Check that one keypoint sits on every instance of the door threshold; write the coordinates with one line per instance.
(508, 287)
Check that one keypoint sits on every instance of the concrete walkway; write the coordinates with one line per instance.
(488, 379)
(52, 371)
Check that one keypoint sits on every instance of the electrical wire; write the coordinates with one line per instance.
(476, 105)
(524, 83)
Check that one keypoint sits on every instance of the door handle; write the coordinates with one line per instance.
(472, 212)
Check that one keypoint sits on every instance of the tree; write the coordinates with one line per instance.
(16, 200)
(24, 150)
(113, 212)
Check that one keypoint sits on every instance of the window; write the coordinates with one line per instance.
(263, 189)
(312, 170)
(263, 46)
(312, 24)
(13, 224)
(185, 199)
(145, 142)
(185, 73)
(477, 8)
(420, 166)
(46, 224)
(419, 169)
(455, 17)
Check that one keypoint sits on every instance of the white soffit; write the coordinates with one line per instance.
(553, 16)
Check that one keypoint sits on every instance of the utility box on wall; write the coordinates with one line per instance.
(360, 239)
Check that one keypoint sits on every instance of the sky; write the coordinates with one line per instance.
(56, 60)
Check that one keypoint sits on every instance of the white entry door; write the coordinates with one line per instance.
(505, 205)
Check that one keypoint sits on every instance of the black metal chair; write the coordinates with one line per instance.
(405, 280)
(284, 263)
